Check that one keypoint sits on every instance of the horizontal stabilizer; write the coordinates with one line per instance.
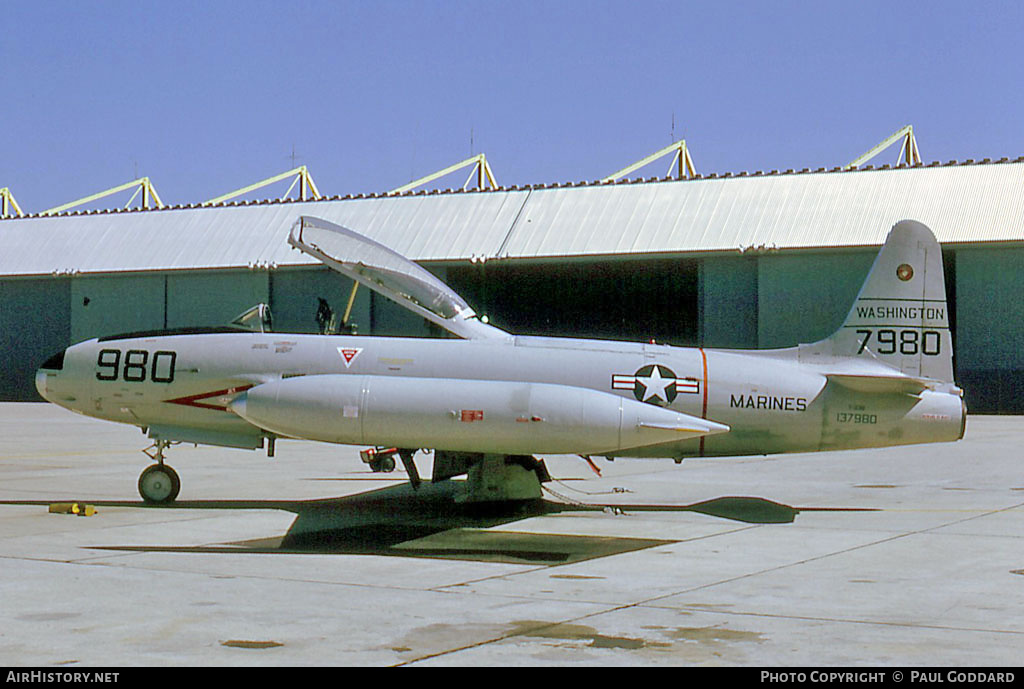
(879, 384)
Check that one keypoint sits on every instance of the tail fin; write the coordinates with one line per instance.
(900, 317)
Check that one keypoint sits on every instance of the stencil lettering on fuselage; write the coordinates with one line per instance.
(768, 402)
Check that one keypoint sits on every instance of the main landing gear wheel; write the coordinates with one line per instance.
(385, 464)
(159, 484)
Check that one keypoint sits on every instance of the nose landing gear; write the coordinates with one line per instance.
(159, 483)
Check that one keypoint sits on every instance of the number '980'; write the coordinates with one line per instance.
(136, 365)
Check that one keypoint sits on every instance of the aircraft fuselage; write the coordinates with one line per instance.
(183, 387)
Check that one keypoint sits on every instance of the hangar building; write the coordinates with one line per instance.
(748, 261)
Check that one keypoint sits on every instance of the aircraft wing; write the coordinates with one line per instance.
(389, 273)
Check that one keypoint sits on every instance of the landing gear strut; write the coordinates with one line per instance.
(159, 483)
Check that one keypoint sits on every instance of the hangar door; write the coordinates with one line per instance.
(213, 297)
(33, 326)
(109, 305)
(633, 299)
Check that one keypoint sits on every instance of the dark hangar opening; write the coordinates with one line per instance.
(639, 299)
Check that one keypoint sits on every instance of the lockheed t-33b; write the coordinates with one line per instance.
(488, 403)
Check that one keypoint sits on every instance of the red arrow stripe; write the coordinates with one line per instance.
(193, 400)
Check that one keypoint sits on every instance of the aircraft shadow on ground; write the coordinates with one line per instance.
(429, 522)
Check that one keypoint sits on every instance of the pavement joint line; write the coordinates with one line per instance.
(566, 564)
(486, 642)
(214, 575)
(896, 536)
(575, 620)
(619, 608)
(54, 455)
(184, 517)
(649, 602)
(730, 532)
(810, 618)
(916, 532)
(494, 577)
(612, 609)
(851, 549)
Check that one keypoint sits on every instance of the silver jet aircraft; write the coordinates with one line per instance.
(487, 402)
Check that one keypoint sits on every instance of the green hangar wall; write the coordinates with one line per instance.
(989, 335)
(734, 302)
(759, 261)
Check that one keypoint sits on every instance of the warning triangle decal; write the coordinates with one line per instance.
(348, 354)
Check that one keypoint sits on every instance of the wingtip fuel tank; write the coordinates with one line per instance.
(463, 415)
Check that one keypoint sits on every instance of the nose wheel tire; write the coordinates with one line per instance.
(159, 484)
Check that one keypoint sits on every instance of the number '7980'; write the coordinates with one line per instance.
(909, 342)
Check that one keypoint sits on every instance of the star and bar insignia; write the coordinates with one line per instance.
(655, 384)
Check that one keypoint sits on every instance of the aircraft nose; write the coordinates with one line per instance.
(48, 370)
(41, 383)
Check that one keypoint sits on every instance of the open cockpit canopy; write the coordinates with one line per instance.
(389, 273)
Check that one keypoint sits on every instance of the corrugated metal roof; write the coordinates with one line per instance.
(962, 204)
(240, 236)
(973, 202)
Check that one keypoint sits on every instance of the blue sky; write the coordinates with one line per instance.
(206, 97)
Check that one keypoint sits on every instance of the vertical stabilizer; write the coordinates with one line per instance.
(900, 317)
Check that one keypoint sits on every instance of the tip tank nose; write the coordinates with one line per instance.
(658, 425)
(690, 426)
(237, 405)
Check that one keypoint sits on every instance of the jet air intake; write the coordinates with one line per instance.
(504, 417)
